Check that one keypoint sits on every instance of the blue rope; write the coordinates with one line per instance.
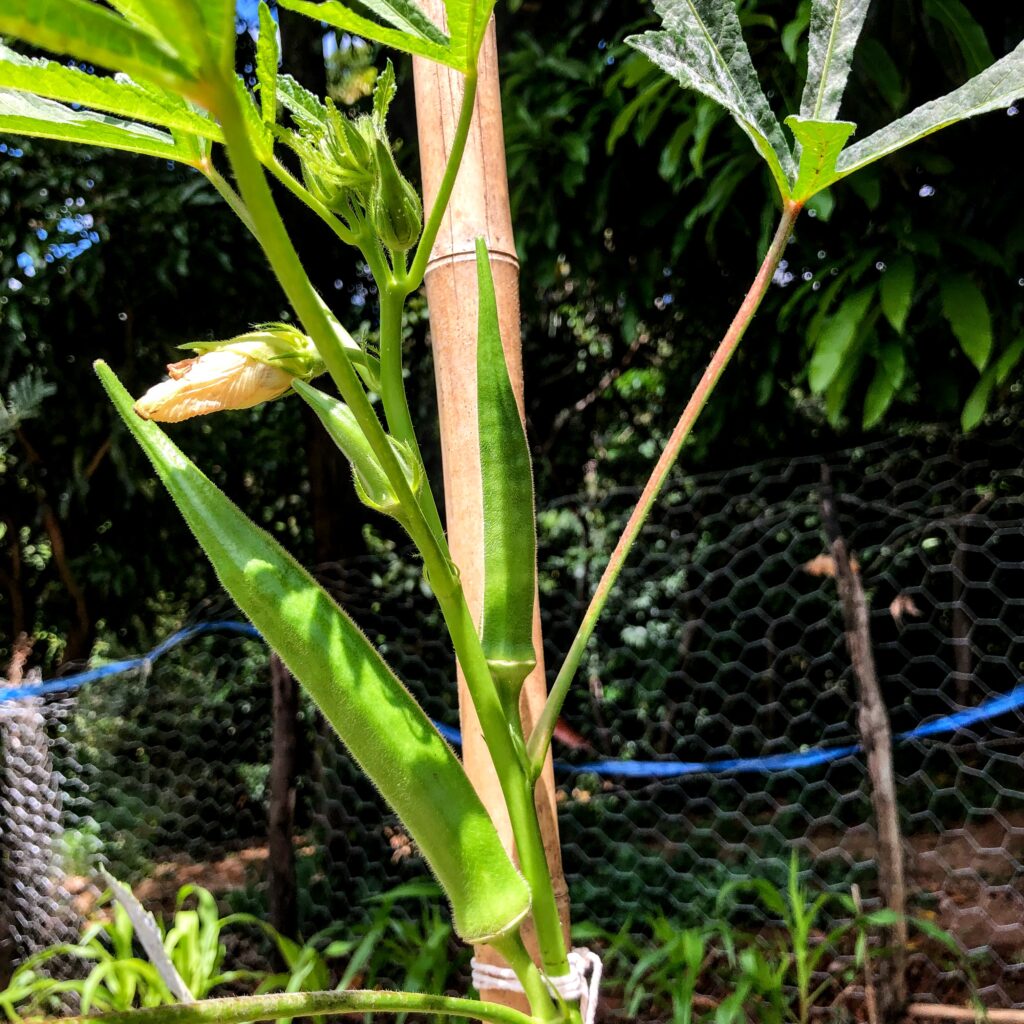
(606, 766)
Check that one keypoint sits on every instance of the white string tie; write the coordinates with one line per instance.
(583, 982)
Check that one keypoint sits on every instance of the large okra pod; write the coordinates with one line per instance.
(510, 538)
(385, 730)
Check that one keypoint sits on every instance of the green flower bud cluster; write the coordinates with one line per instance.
(348, 165)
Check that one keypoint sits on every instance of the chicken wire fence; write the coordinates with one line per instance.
(724, 642)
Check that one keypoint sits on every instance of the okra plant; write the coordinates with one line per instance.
(174, 95)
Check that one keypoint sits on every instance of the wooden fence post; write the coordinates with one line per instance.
(876, 739)
(281, 879)
(479, 207)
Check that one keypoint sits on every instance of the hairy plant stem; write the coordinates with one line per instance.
(238, 1009)
(417, 271)
(509, 760)
(396, 404)
(540, 739)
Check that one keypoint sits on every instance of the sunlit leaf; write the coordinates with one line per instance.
(118, 96)
(303, 105)
(24, 114)
(337, 15)
(93, 33)
(994, 89)
(964, 306)
(406, 16)
(835, 28)
(268, 59)
(896, 291)
(702, 48)
(820, 143)
(467, 22)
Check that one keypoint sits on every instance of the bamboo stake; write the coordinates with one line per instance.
(479, 207)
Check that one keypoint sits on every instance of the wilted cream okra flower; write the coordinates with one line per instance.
(248, 370)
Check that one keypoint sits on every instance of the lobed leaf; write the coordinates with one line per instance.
(119, 96)
(506, 477)
(25, 114)
(835, 28)
(268, 60)
(303, 105)
(467, 23)
(406, 16)
(338, 15)
(384, 728)
(995, 88)
(702, 47)
(89, 32)
(820, 143)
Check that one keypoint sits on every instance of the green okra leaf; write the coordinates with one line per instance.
(820, 143)
(467, 22)
(702, 48)
(995, 88)
(25, 114)
(339, 15)
(510, 537)
(90, 32)
(835, 28)
(384, 729)
(268, 59)
(123, 98)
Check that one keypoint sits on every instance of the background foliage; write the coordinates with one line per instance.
(639, 213)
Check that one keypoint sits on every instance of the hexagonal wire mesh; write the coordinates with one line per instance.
(724, 640)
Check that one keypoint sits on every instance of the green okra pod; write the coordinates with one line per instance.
(510, 537)
(383, 727)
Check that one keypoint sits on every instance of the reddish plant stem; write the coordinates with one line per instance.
(542, 733)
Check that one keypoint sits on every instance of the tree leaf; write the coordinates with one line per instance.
(337, 15)
(1007, 362)
(890, 370)
(268, 60)
(93, 33)
(896, 291)
(24, 114)
(118, 96)
(964, 306)
(702, 48)
(969, 35)
(835, 28)
(995, 88)
(976, 405)
(381, 724)
(836, 340)
(820, 143)
(506, 477)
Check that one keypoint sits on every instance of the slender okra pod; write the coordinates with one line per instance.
(383, 727)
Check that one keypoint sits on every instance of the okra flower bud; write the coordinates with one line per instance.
(237, 374)
(395, 209)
